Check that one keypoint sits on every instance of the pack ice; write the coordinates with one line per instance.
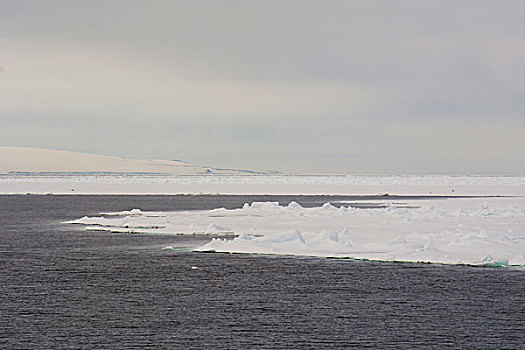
(474, 231)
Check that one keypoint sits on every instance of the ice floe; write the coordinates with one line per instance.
(475, 231)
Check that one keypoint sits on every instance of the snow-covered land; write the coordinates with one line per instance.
(477, 231)
(33, 161)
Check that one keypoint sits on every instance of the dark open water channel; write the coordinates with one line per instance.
(62, 287)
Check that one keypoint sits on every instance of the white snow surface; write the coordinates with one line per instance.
(474, 231)
(263, 184)
(37, 160)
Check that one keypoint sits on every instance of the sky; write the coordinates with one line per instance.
(370, 86)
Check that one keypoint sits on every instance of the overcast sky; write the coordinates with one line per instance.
(304, 86)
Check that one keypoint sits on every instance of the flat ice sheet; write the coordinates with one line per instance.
(263, 184)
(477, 231)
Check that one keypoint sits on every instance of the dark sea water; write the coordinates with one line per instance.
(65, 288)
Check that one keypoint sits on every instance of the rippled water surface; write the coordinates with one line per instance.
(63, 287)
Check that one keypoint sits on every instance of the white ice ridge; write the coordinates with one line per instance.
(476, 231)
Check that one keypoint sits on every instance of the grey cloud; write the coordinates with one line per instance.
(269, 83)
